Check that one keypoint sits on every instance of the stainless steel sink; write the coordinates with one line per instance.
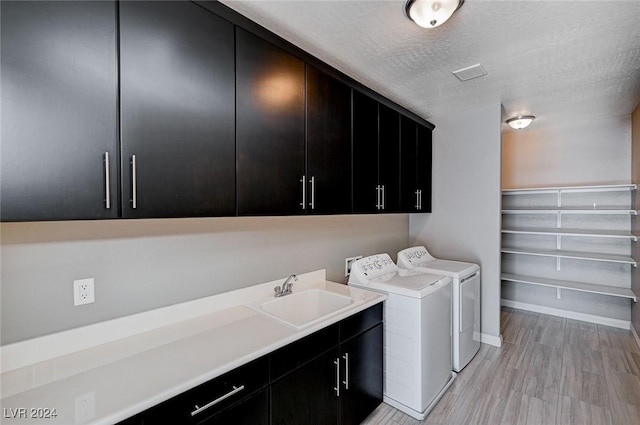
(304, 308)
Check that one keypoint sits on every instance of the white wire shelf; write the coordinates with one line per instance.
(575, 255)
(614, 291)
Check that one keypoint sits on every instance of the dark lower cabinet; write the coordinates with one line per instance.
(342, 385)
(308, 395)
(331, 377)
(59, 110)
(177, 110)
(252, 411)
(361, 359)
(207, 403)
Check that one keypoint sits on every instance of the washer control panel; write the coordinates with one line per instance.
(408, 258)
(371, 267)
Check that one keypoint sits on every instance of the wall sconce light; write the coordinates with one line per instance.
(431, 13)
(520, 122)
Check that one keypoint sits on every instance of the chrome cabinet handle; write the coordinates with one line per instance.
(417, 199)
(378, 204)
(134, 183)
(235, 391)
(337, 387)
(107, 182)
(313, 192)
(346, 371)
(382, 197)
(420, 203)
(303, 180)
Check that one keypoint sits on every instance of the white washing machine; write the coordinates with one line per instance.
(466, 298)
(417, 332)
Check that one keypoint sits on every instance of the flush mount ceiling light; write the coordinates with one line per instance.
(520, 122)
(431, 13)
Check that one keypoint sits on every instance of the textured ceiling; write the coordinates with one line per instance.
(559, 60)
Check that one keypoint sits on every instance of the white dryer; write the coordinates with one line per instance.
(417, 332)
(466, 298)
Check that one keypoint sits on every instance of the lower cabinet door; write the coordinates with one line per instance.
(252, 411)
(361, 362)
(308, 395)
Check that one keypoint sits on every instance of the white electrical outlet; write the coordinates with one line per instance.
(85, 407)
(347, 264)
(83, 292)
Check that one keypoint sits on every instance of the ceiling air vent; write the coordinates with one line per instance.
(470, 72)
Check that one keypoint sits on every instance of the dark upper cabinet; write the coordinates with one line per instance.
(376, 156)
(270, 128)
(416, 167)
(177, 111)
(366, 193)
(389, 159)
(409, 195)
(328, 144)
(424, 167)
(59, 103)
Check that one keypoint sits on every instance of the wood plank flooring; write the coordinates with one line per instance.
(549, 371)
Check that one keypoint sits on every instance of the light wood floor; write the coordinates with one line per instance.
(549, 371)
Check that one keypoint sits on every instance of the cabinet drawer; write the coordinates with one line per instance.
(358, 323)
(217, 394)
(300, 352)
(252, 411)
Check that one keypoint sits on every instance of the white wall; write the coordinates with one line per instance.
(587, 153)
(139, 265)
(465, 222)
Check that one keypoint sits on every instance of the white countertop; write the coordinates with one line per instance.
(109, 382)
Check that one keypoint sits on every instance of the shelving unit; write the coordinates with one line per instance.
(534, 203)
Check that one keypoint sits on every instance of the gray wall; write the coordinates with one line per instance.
(140, 265)
(465, 222)
(579, 153)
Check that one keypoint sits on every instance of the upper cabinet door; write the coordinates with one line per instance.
(177, 110)
(424, 148)
(389, 159)
(328, 144)
(269, 128)
(59, 122)
(409, 195)
(366, 190)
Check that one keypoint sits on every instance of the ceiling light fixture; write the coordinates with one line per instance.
(431, 13)
(520, 122)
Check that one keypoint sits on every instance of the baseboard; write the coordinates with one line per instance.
(635, 335)
(496, 341)
(591, 318)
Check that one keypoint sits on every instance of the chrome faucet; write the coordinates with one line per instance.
(285, 289)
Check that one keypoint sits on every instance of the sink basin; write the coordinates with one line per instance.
(302, 309)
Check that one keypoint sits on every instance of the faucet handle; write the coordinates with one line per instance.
(278, 291)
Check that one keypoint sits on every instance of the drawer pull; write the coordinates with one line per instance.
(233, 392)
(107, 182)
(346, 371)
(337, 387)
(134, 183)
